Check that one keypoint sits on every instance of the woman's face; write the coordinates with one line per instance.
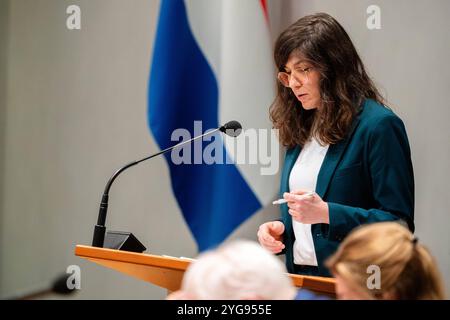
(303, 79)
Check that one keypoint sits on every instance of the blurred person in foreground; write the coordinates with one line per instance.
(239, 270)
(407, 270)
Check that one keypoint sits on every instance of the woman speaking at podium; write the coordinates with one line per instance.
(348, 159)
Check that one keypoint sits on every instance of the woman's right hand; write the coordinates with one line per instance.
(270, 236)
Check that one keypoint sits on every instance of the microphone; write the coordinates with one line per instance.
(125, 240)
(59, 286)
(231, 128)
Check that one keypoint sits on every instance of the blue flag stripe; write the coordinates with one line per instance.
(214, 199)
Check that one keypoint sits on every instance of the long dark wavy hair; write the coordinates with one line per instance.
(344, 83)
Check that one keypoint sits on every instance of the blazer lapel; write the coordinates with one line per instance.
(332, 158)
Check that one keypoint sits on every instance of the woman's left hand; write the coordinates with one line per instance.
(307, 209)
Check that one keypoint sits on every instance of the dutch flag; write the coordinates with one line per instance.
(212, 62)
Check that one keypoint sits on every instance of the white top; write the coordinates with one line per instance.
(304, 176)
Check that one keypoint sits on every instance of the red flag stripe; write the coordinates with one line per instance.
(264, 7)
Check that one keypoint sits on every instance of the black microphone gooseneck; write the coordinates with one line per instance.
(231, 128)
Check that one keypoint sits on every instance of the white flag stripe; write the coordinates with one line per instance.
(234, 36)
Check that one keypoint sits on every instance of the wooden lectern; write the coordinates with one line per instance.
(167, 272)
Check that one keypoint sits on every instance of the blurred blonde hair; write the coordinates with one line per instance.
(237, 270)
(408, 270)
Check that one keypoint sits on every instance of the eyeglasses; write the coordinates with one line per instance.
(299, 74)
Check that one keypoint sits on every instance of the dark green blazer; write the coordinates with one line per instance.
(366, 178)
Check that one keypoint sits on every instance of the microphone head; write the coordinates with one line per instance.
(231, 128)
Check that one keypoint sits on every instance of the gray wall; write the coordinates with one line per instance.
(73, 109)
(4, 10)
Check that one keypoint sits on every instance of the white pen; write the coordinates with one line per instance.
(281, 201)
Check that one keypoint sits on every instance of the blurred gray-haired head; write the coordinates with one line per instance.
(238, 270)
